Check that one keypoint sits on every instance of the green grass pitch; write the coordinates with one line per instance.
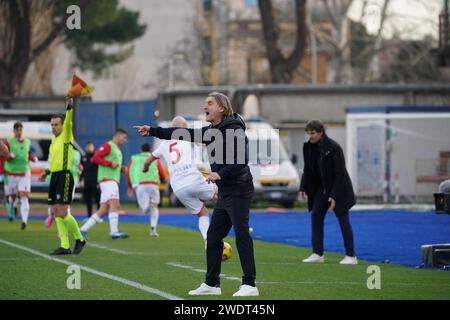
(169, 266)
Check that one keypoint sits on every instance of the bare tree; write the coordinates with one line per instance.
(410, 63)
(282, 68)
(339, 38)
(400, 50)
(373, 67)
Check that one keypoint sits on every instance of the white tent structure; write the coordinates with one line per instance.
(397, 153)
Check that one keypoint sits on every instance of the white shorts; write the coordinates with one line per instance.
(147, 194)
(75, 183)
(192, 197)
(109, 191)
(17, 184)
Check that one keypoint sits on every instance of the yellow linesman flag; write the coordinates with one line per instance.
(79, 87)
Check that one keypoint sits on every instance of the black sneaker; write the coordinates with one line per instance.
(23, 225)
(78, 246)
(61, 251)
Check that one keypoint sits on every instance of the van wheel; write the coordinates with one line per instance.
(288, 204)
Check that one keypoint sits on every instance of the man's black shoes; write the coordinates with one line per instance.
(61, 251)
(78, 246)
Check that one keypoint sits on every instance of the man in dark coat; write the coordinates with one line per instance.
(227, 148)
(326, 183)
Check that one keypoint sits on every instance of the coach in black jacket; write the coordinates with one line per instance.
(227, 148)
(326, 183)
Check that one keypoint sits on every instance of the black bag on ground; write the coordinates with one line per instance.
(436, 255)
(442, 202)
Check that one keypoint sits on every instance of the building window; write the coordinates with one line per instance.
(207, 6)
(251, 3)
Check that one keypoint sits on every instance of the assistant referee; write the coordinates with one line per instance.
(61, 181)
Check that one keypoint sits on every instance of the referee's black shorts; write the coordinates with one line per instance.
(61, 187)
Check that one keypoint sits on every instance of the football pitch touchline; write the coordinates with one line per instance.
(222, 275)
(128, 253)
(127, 282)
(90, 244)
(361, 283)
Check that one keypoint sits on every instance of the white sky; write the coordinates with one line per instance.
(412, 19)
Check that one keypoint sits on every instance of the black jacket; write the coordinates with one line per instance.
(89, 174)
(334, 178)
(232, 165)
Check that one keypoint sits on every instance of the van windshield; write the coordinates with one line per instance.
(266, 151)
(40, 148)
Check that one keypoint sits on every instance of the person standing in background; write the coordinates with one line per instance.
(17, 170)
(3, 148)
(109, 158)
(91, 190)
(3, 154)
(146, 185)
(327, 184)
(77, 168)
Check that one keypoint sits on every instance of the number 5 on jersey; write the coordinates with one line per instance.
(173, 148)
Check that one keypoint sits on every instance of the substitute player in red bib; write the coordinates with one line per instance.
(109, 160)
(17, 170)
(3, 148)
(146, 185)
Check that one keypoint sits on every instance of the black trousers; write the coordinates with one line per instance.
(91, 192)
(230, 210)
(61, 187)
(319, 210)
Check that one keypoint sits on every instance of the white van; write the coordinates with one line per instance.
(40, 134)
(275, 177)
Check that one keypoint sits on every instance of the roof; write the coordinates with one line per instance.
(398, 109)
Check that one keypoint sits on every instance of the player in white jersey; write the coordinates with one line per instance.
(186, 181)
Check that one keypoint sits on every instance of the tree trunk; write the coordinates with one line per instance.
(13, 71)
(5, 81)
(282, 69)
(18, 51)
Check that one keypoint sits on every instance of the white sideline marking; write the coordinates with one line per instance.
(96, 272)
(362, 283)
(131, 253)
(95, 245)
(222, 275)
(279, 263)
